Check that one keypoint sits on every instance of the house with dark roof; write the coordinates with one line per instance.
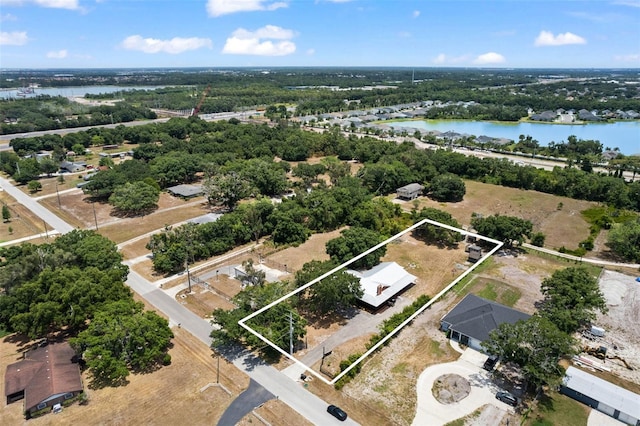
(46, 376)
(473, 318)
(185, 191)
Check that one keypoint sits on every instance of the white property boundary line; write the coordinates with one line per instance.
(243, 321)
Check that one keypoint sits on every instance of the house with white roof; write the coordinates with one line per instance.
(382, 282)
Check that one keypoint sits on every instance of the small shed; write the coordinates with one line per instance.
(475, 253)
(410, 192)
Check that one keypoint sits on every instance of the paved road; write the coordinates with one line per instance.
(581, 259)
(290, 392)
(51, 219)
(254, 396)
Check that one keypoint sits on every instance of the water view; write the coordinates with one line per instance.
(624, 135)
(69, 92)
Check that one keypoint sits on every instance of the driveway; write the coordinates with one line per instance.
(431, 412)
(245, 403)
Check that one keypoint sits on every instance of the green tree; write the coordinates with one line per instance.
(6, 213)
(336, 292)
(354, 241)
(48, 166)
(624, 240)
(137, 197)
(537, 239)
(27, 170)
(536, 345)
(226, 189)
(434, 233)
(571, 298)
(123, 337)
(34, 186)
(447, 187)
(508, 229)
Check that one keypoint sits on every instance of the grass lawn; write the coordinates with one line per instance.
(556, 409)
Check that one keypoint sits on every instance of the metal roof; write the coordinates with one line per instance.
(185, 190)
(594, 387)
(382, 282)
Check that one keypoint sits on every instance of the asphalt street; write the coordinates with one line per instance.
(38, 209)
(253, 396)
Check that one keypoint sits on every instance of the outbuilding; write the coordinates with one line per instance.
(606, 397)
(185, 191)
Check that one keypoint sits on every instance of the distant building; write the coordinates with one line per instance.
(185, 191)
(410, 192)
(473, 318)
(74, 167)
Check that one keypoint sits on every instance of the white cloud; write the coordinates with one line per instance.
(443, 59)
(489, 58)
(224, 7)
(244, 42)
(546, 38)
(173, 46)
(633, 57)
(53, 4)
(632, 3)
(415, 13)
(7, 17)
(15, 38)
(57, 54)
(311, 52)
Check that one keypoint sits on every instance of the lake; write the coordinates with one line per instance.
(625, 135)
(73, 91)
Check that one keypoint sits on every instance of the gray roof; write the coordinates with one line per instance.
(594, 387)
(476, 317)
(186, 190)
(207, 218)
(412, 187)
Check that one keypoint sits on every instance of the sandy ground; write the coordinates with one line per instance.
(622, 335)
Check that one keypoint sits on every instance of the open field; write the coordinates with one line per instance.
(167, 396)
(77, 209)
(313, 249)
(562, 224)
(23, 222)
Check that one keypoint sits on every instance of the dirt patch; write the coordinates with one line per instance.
(450, 388)
(202, 302)
(165, 397)
(622, 293)
(312, 249)
(23, 222)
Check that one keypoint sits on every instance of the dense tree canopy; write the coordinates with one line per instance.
(447, 187)
(624, 240)
(571, 298)
(536, 345)
(353, 242)
(508, 229)
(137, 197)
(434, 233)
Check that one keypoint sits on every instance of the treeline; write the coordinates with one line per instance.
(75, 286)
(55, 112)
(176, 151)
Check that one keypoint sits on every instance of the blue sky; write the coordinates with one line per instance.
(256, 33)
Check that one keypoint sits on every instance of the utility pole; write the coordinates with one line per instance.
(95, 218)
(58, 193)
(46, 233)
(290, 333)
(186, 262)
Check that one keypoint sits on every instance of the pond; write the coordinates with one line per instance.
(624, 135)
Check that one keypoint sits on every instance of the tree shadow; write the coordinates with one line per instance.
(123, 214)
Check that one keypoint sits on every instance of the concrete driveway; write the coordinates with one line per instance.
(431, 412)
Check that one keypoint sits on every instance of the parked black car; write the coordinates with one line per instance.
(490, 363)
(337, 413)
(507, 398)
